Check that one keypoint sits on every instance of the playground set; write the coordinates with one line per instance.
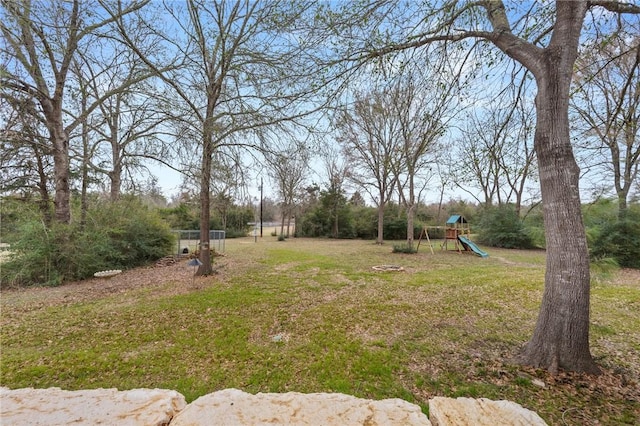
(458, 231)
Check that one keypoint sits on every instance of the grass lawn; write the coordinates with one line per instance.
(313, 316)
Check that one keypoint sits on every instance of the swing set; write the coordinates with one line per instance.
(458, 231)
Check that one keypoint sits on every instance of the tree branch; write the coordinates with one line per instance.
(616, 6)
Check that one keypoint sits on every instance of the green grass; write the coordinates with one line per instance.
(312, 316)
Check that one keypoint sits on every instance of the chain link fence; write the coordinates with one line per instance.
(188, 241)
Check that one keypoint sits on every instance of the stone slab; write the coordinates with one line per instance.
(231, 407)
(480, 412)
(54, 406)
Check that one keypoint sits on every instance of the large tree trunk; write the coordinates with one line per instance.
(84, 201)
(379, 239)
(411, 211)
(440, 202)
(561, 336)
(205, 213)
(622, 203)
(285, 211)
(116, 174)
(410, 214)
(86, 158)
(116, 182)
(622, 189)
(42, 188)
(59, 138)
(60, 142)
(336, 216)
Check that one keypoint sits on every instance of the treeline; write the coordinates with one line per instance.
(130, 233)
(613, 236)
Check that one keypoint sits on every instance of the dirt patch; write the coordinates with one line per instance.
(388, 268)
(167, 277)
(512, 263)
(627, 277)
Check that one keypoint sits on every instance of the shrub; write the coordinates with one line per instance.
(320, 220)
(365, 221)
(619, 240)
(237, 221)
(395, 228)
(14, 212)
(180, 217)
(534, 223)
(137, 233)
(116, 236)
(51, 255)
(237, 233)
(501, 227)
(404, 248)
(599, 213)
(536, 233)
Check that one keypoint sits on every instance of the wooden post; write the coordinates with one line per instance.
(426, 232)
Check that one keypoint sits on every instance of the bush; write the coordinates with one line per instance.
(365, 221)
(237, 233)
(116, 236)
(51, 255)
(394, 228)
(404, 248)
(137, 234)
(599, 213)
(534, 224)
(14, 212)
(501, 227)
(181, 217)
(237, 222)
(619, 240)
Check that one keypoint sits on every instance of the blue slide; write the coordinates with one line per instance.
(469, 245)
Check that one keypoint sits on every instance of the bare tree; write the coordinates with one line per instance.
(87, 150)
(337, 169)
(607, 100)
(42, 39)
(125, 128)
(519, 161)
(370, 137)
(288, 169)
(478, 156)
(236, 72)
(422, 101)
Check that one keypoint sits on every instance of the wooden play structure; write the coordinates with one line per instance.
(456, 230)
(456, 225)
